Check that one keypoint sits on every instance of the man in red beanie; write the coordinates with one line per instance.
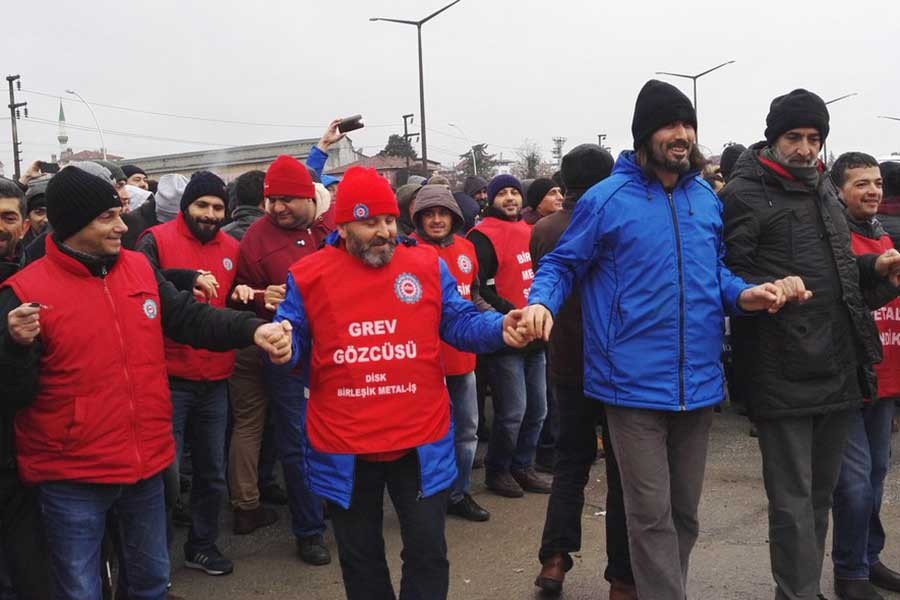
(370, 311)
(288, 232)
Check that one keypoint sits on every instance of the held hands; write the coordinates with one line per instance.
(24, 324)
(275, 339)
(331, 136)
(536, 322)
(242, 293)
(274, 296)
(206, 286)
(772, 297)
(888, 265)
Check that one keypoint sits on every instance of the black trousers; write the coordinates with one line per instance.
(25, 565)
(358, 531)
(576, 449)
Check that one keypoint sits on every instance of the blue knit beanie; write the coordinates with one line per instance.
(503, 181)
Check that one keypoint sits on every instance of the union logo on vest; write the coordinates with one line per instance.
(464, 263)
(226, 262)
(408, 288)
(150, 308)
(360, 211)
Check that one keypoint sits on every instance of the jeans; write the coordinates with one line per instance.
(75, 520)
(465, 423)
(519, 387)
(287, 397)
(801, 458)
(205, 406)
(662, 458)
(360, 541)
(576, 450)
(858, 532)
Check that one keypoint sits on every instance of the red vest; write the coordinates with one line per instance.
(103, 412)
(180, 249)
(460, 258)
(888, 320)
(376, 380)
(511, 241)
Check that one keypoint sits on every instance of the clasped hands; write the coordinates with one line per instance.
(275, 340)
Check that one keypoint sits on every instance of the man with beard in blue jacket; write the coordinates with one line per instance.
(645, 250)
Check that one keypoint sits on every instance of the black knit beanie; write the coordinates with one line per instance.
(584, 165)
(203, 183)
(658, 104)
(130, 170)
(75, 198)
(729, 158)
(800, 108)
(537, 190)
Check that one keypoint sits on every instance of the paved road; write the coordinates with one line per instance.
(498, 560)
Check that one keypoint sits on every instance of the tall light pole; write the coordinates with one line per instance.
(832, 101)
(418, 25)
(471, 146)
(96, 122)
(694, 79)
(889, 118)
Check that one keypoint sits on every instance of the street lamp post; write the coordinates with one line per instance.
(889, 118)
(418, 25)
(471, 146)
(832, 101)
(96, 122)
(694, 79)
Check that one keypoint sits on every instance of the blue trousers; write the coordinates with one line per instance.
(858, 533)
(464, 397)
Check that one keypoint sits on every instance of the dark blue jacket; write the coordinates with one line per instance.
(654, 288)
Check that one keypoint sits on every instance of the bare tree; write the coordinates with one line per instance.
(530, 163)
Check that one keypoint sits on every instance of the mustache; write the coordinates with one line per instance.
(678, 144)
(376, 243)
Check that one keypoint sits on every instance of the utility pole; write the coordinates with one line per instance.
(14, 115)
(601, 137)
(407, 120)
(557, 149)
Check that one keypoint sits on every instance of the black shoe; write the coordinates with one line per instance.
(468, 509)
(502, 484)
(883, 577)
(248, 521)
(530, 481)
(855, 589)
(181, 515)
(312, 550)
(209, 561)
(273, 494)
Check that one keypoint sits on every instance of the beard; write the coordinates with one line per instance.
(9, 245)
(660, 158)
(375, 253)
(794, 161)
(204, 229)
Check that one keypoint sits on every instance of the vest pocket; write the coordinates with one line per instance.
(75, 430)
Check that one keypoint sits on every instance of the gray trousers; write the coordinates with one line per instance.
(662, 459)
(801, 459)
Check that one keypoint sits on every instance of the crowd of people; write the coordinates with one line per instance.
(183, 336)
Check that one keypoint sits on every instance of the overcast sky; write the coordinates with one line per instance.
(502, 70)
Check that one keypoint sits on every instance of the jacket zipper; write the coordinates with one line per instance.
(680, 301)
(137, 450)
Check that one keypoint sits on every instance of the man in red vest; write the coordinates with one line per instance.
(436, 216)
(518, 378)
(369, 312)
(858, 533)
(83, 329)
(288, 232)
(198, 378)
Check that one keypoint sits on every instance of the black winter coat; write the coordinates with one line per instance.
(809, 358)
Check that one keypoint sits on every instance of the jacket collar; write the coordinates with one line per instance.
(77, 263)
(627, 165)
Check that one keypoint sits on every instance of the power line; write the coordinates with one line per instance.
(189, 117)
(130, 134)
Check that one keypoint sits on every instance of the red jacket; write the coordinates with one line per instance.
(268, 251)
(179, 248)
(102, 412)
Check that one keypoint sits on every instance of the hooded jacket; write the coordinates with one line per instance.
(242, 218)
(654, 289)
(808, 358)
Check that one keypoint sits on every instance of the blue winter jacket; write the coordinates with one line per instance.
(654, 289)
(462, 326)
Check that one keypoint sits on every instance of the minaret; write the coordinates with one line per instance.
(62, 137)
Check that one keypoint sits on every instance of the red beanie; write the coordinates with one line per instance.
(362, 194)
(288, 177)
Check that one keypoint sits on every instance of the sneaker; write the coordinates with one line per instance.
(468, 509)
(273, 494)
(530, 481)
(502, 484)
(209, 561)
(312, 550)
(249, 520)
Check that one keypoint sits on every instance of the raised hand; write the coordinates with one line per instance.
(275, 340)
(331, 136)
